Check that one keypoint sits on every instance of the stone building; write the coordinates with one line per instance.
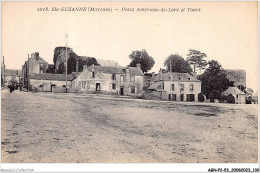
(48, 82)
(110, 80)
(175, 86)
(34, 65)
(10, 76)
(240, 96)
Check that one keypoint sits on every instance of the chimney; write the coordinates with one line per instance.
(153, 75)
(37, 56)
(44, 68)
(160, 74)
(127, 70)
(116, 65)
(77, 67)
(194, 74)
(138, 66)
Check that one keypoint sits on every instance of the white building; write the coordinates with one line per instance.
(176, 86)
(240, 96)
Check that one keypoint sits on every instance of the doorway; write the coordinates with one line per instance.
(97, 86)
(122, 91)
(190, 97)
(181, 97)
(52, 87)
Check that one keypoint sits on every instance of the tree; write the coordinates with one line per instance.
(88, 61)
(71, 65)
(196, 58)
(61, 68)
(178, 64)
(143, 58)
(214, 80)
(242, 88)
(50, 69)
(214, 94)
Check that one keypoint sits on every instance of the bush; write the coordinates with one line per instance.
(223, 99)
(214, 94)
(201, 97)
(230, 98)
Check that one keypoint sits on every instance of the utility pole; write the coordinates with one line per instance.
(28, 74)
(4, 70)
(240, 94)
(171, 76)
(66, 60)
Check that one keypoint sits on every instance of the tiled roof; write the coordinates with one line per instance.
(116, 70)
(110, 63)
(233, 90)
(183, 77)
(10, 72)
(51, 76)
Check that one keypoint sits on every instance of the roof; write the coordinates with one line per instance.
(51, 76)
(109, 63)
(183, 77)
(116, 70)
(10, 72)
(233, 90)
(155, 86)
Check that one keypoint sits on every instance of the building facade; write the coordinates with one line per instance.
(34, 65)
(110, 80)
(176, 87)
(48, 82)
(240, 96)
(10, 76)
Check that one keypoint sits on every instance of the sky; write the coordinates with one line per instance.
(225, 31)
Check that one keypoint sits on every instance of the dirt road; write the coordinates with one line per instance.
(71, 128)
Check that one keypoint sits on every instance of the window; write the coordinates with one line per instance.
(113, 77)
(113, 86)
(174, 97)
(182, 87)
(172, 87)
(132, 89)
(190, 97)
(162, 86)
(132, 78)
(88, 85)
(93, 74)
(191, 87)
(237, 96)
(121, 78)
(83, 84)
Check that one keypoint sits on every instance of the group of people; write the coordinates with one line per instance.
(13, 86)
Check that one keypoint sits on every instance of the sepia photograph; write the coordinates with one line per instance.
(130, 82)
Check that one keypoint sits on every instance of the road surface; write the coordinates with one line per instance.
(81, 128)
